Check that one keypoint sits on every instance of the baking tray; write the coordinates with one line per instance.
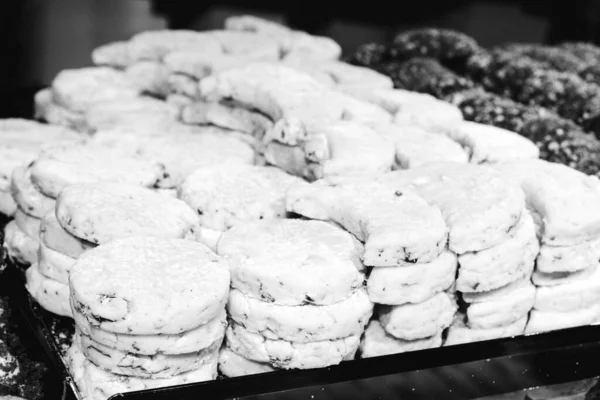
(468, 371)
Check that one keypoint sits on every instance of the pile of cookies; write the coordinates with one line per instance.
(149, 312)
(297, 297)
(90, 214)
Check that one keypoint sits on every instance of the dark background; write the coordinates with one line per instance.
(38, 38)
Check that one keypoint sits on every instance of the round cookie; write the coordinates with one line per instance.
(562, 278)
(418, 321)
(412, 283)
(27, 196)
(460, 333)
(101, 212)
(495, 294)
(7, 203)
(150, 286)
(233, 365)
(63, 166)
(571, 296)
(50, 294)
(502, 310)
(502, 264)
(55, 237)
(98, 384)
(568, 258)
(77, 89)
(28, 224)
(54, 265)
(144, 366)
(187, 342)
(289, 355)
(546, 321)
(19, 247)
(377, 342)
(225, 195)
(186, 150)
(301, 324)
(293, 262)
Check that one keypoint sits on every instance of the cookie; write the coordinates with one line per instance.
(460, 333)
(499, 265)
(307, 323)
(137, 295)
(397, 227)
(480, 205)
(502, 310)
(562, 278)
(348, 75)
(496, 294)
(563, 199)
(293, 262)
(101, 212)
(183, 152)
(290, 355)
(46, 109)
(418, 321)
(76, 89)
(561, 259)
(149, 77)
(233, 365)
(226, 195)
(63, 166)
(94, 383)
(55, 237)
(19, 247)
(344, 148)
(198, 65)
(411, 108)
(546, 321)
(190, 341)
(182, 84)
(208, 237)
(7, 204)
(113, 54)
(27, 196)
(154, 45)
(570, 296)
(377, 342)
(50, 294)
(144, 115)
(256, 45)
(54, 265)
(490, 144)
(141, 366)
(413, 283)
(228, 116)
(416, 146)
(28, 224)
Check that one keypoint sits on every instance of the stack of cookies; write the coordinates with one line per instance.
(73, 91)
(87, 215)
(297, 298)
(227, 195)
(149, 312)
(21, 141)
(563, 203)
